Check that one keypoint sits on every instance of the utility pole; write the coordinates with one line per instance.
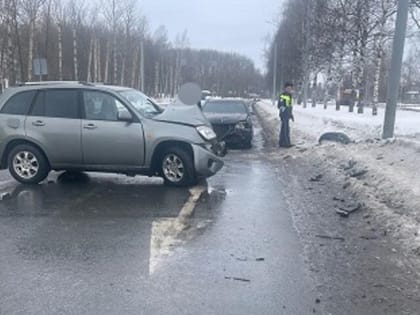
(395, 71)
(307, 38)
(275, 73)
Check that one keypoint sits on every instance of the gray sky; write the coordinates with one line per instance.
(228, 25)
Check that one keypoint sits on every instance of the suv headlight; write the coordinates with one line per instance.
(206, 132)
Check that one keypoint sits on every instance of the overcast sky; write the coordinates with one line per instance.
(228, 25)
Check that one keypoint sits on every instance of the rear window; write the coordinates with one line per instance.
(57, 103)
(19, 103)
(229, 107)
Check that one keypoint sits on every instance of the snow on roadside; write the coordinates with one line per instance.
(315, 121)
(390, 189)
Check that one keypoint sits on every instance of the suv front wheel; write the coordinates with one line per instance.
(27, 164)
(177, 168)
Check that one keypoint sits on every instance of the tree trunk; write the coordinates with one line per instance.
(378, 65)
(106, 63)
(167, 80)
(47, 29)
(156, 79)
(114, 52)
(30, 48)
(142, 66)
(327, 87)
(171, 80)
(19, 45)
(122, 70)
(305, 90)
(98, 61)
(134, 68)
(95, 60)
(11, 69)
(60, 51)
(2, 65)
(75, 61)
(89, 64)
(314, 93)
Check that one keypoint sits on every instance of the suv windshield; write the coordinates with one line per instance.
(141, 103)
(225, 107)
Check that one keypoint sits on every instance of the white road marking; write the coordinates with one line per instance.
(165, 231)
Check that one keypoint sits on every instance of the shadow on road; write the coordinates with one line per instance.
(80, 195)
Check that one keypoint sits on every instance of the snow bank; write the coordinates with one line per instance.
(390, 190)
(314, 121)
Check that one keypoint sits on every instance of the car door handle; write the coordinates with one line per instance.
(90, 126)
(38, 123)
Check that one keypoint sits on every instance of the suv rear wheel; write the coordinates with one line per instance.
(27, 164)
(177, 168)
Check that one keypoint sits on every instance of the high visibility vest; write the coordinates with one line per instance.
(287, 99)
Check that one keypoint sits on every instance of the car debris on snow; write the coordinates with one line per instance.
(350, 164)
(368, 238)
(358, 173)
(237, 279)
(335, 137)
(5, 195)
(346, 185)
(328, 237)
(346, 211)
(316, 178)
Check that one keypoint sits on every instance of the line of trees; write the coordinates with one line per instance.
(347, 43)
(109, 41)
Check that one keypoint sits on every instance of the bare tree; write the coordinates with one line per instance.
(31, 9)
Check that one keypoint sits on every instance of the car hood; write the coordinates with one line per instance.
(225, 118)
(184, 115)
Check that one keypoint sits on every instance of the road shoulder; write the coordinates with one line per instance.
(366, 261)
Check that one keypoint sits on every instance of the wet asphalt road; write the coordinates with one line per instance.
(108, 244)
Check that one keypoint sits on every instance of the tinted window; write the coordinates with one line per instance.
(19, 104)
(57, 103)
(61, 103)
(101, 106)
(38, 109)
(230, 107)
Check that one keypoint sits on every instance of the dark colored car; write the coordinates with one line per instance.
(231, 120)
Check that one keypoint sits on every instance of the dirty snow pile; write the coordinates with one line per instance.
(389, 181)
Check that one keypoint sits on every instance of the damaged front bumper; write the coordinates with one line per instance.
(207, 160)
(219, 148)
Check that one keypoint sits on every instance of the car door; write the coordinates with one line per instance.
(13, 113)
(106, 140)
(54, 123)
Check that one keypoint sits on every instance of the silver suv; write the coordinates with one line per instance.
(86, 127)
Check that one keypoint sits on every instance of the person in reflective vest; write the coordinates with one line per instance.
(285, 106)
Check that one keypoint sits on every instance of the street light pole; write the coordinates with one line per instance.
(275, 73)
(395, 71)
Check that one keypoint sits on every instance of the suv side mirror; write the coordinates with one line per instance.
(125, 115)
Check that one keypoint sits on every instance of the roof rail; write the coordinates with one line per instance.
(86, 83)
(47, 83)
(55, 82)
